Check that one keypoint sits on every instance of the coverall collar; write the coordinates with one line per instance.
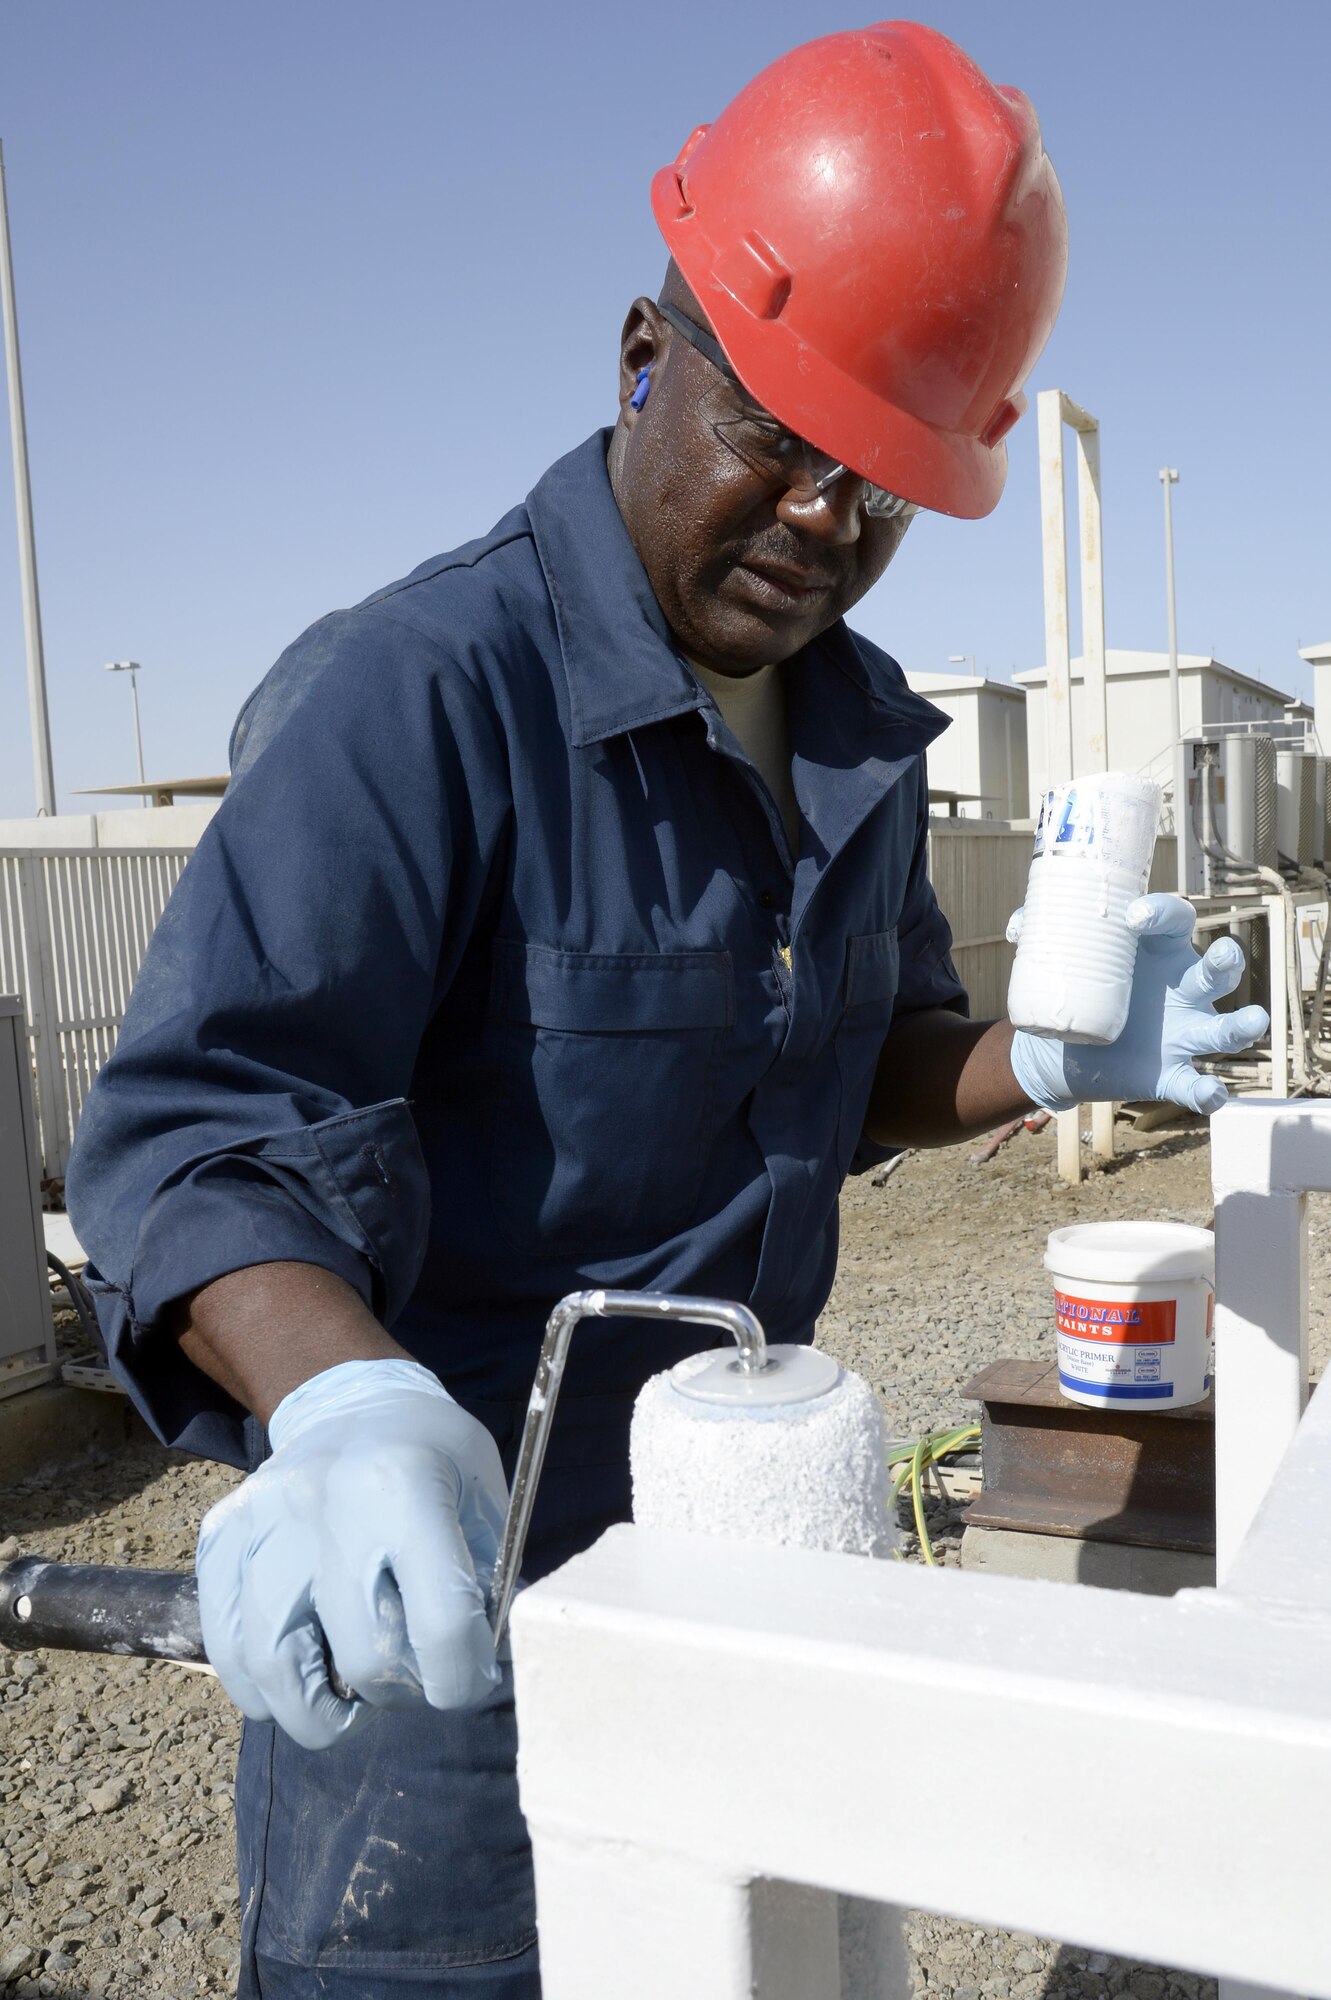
(620, 658)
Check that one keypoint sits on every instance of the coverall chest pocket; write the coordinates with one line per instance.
(606, 1068)
(872, 968)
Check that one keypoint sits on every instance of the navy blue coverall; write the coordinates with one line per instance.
(494, 977)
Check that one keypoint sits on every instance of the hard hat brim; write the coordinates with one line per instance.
(944, 471)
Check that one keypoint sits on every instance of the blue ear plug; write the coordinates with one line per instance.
(643, 390)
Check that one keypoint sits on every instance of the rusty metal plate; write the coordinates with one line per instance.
(1053, 1467)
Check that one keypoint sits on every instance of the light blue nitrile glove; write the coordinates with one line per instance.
(374, 1527)
(1171, 1020)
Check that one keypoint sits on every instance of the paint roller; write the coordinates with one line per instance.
(792, 1454)
(771, 1443)
(768, 1443)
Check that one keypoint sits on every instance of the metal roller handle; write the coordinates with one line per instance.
(149, 1614)
(146, 1614)
(733, 1319)
(154, 1614)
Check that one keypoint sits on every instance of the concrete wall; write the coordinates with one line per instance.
(162, 826)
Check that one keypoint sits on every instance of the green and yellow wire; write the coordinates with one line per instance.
(914, 1461)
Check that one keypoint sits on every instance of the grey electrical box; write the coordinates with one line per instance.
(27, 1334)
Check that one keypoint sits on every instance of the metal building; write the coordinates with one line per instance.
(1137, 698)
(977, 768)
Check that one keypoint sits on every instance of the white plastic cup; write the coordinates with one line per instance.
(1072, 975)
(1133, 1304)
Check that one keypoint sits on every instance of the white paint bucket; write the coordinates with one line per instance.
(1132, 1305)
(1072, 976)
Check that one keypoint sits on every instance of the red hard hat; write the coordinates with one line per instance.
(878, 237)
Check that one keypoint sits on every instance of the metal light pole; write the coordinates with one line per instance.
(962, 660)
(131, 667)
(1169, 480)
(43, 769)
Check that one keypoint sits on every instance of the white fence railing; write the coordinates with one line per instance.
(74, 926)
(718, 1738)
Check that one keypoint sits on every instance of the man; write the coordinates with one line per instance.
(567, 923)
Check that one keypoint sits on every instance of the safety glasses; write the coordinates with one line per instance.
(766, 446)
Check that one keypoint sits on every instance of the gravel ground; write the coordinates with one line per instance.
(116, 1858)
(116, 1865)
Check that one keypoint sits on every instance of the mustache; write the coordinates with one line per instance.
(830, 564)
(785, 552)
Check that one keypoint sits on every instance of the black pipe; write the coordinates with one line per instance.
(146, 1614)
(151, 1614)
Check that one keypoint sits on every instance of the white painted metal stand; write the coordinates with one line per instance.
(1178, 779)
(699, 1719)
(1263, 1167)
(1055, 410)
(1102, 1130)
(1265, 1158)
(737, 1937)
(1284, 994)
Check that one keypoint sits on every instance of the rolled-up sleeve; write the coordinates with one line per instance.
(255, 1109)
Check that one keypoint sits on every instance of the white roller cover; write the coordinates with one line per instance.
(810, 1474)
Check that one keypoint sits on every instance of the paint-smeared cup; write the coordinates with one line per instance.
(1072, 976)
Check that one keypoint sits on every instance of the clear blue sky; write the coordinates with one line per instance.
(310, 290)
